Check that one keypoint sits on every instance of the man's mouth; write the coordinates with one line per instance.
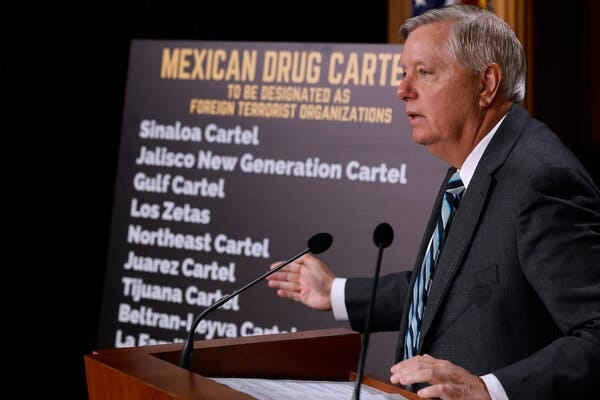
(412, 116)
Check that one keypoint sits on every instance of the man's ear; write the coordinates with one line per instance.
(490, 84)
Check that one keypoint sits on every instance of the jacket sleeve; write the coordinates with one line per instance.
(389, 301)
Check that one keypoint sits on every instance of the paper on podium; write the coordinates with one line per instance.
(289, 389)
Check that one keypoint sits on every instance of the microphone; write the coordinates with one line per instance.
(383, 237)
(318, 243)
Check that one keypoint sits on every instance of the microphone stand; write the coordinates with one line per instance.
(365, 336)
(186, 352)
(316, 244)
(383, 237)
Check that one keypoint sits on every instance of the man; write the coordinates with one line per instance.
(504, 301)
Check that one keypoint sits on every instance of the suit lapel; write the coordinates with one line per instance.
(469, 212)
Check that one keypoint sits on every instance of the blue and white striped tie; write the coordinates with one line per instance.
(423, 282)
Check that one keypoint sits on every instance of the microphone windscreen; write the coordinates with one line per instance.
(383, 235)
(320, 242)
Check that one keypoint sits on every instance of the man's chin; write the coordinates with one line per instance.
(419, 138)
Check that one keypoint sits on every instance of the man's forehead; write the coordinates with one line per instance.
(426, 46)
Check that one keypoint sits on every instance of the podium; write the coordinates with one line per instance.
(153, 372)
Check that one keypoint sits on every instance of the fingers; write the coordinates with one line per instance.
(286, 288)
(306, 280)
(448, 381)
(417, 369)
(288, 273)
(286, 280)
(294, 266)
(284, 276)
(285, 285)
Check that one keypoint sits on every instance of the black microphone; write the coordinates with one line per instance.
(383, 237)
(316, 244)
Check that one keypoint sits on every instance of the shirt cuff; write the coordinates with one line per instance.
(338, 299)
(494, 387)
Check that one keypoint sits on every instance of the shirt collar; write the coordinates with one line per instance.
(467, 170)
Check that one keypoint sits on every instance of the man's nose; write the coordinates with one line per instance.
(404, 89)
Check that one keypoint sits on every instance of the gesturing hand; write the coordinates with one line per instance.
(448, 381)
(307, 280)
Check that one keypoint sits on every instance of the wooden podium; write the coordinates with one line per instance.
(153, 372)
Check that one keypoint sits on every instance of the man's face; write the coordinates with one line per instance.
(441, 96)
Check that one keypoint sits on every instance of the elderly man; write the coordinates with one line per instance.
(504, 298)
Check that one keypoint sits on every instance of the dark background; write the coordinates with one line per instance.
(65, 74)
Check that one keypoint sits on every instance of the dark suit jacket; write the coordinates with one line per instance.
(516, 291)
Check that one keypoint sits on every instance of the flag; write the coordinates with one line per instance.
(420, 6)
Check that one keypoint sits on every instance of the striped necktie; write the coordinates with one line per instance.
(450, 202)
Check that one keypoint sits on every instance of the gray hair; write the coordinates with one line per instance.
(478, 38)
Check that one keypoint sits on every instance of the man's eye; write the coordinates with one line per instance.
(423, 72)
